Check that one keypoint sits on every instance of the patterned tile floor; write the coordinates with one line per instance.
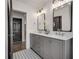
(25, 54)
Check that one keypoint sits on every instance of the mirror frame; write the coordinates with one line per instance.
(71, 23)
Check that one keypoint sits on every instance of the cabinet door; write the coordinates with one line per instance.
(32, 41)
(46, 48)
(36, 43)
(60, 49)
(55, 49)
(41, 46)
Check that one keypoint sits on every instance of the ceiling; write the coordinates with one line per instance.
(37, 4)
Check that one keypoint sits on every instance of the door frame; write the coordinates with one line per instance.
(9, 14)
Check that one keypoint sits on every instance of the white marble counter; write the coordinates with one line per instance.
(65, 36)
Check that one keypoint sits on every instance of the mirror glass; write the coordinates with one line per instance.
(41, 22)
(62, 18)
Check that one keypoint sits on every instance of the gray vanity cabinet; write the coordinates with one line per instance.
(51, 48)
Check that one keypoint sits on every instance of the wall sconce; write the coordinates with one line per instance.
(41, 11)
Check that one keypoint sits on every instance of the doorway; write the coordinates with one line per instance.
(18, 29)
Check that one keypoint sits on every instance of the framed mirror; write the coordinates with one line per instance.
(62, 18)
(41, 22)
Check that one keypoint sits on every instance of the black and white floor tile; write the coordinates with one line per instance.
(25, 54)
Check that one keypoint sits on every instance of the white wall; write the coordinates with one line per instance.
(49, 16)
(30, 19)
(31, 27)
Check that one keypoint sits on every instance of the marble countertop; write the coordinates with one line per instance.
(62, 36)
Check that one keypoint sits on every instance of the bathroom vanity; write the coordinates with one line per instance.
(52, 46)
